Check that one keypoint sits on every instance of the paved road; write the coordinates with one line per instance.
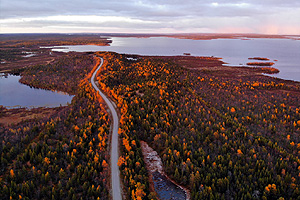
(114, 156)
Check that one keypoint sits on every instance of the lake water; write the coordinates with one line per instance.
(14, 95)
(235, 52)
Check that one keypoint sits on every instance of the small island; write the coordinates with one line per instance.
(258, 58)
(261, 63)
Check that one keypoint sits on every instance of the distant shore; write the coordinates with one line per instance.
(207, 36)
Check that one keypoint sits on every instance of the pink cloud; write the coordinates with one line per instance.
(276, 29)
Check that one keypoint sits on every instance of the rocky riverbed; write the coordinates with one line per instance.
(163, 186)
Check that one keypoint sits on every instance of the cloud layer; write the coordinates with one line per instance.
(142, 16)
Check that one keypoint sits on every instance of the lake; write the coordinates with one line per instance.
(14, 95)
(235, 52)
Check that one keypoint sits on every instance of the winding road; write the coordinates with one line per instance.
(114, 154)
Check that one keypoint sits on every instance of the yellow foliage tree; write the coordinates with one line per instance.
(239, 152)
(121, 161)
(104, 164)
(12, 174)
(139, 192)
(47, 161)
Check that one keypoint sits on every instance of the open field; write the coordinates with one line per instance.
(15, 116)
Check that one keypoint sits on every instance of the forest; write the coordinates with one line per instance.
(64, 156)
(223, 137)
(63, 75)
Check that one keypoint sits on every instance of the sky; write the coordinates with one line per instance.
(150, 16)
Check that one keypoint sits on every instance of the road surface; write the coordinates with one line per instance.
(114, 154)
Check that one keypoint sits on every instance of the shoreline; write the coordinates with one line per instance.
(217, 67)
(44, 55)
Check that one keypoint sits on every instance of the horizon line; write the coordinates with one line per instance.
(128, 33)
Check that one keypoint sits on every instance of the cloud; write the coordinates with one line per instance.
(150, 15)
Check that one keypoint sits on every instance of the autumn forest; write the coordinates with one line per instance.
(221, 132)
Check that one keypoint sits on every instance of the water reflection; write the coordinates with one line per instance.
(14, 94)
